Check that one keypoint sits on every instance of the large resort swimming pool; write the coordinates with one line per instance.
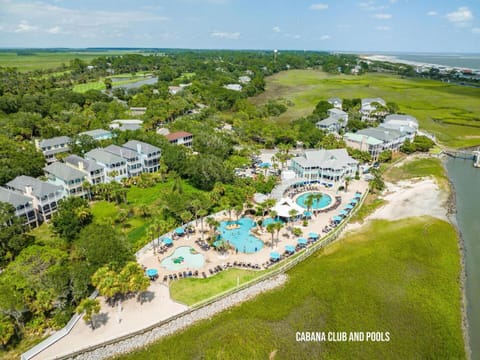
(318, 204)
(237, 233)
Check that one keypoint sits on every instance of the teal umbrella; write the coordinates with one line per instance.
(302, 241)
(168, 241)
(290, 248)
(274, 255)
(179, 231)
(151, 272)
(313, 235)
(337, 218)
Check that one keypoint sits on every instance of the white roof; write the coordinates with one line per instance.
(332, 159)
(285, 205)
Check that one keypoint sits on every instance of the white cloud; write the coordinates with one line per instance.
(382, 16)
(276, 29)
(55, 30)
(476, 30)
(296, 36)
(383, 28)
(325, 37)
(370, 6)
(393, 1)
(319, 6)
(462, 17)
(432, 13)
(24, 28)
(225, 35)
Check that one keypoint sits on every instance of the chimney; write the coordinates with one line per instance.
(81, 165)
(28, 190)
(139, 148)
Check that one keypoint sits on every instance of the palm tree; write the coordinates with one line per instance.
(278, 226)
(88, 188)
(89, 307)
(202, 213)
(271, 230)
(309, 201)
(293, 213)
(151, 231)
(273, 214)
(186, 216)
(213, 224)
(347, 182)
(317, 197)
(196, 205)
(238, 211)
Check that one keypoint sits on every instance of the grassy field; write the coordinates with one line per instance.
(371, 203)
(388, 277)
(48, 60)
(191, 291)
(449, 111)
(416, 168)
(100, 84)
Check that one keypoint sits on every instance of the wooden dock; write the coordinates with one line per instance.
(465, 154)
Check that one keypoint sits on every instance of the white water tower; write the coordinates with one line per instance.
(275, 56)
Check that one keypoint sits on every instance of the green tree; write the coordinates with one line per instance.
(7, 330)
(89, 307)
(271, 229)
(73, 214)
(385, 156)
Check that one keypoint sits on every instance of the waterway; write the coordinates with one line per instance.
(466, 181)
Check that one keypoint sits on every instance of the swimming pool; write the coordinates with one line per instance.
(324, 201)
(240, 237)
(270, 220)
(184, 257)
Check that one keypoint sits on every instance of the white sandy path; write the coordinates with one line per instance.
(412, 198)
(133, 317)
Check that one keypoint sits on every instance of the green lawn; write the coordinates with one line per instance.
(449, 111)
(418, 168)
(399, 277)
(49, 60)
(100, 84)
(191, 291)
(371, 203)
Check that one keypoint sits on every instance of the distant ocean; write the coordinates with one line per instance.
(471, 61)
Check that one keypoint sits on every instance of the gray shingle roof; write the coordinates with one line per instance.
(104, 157)
(334, 99)
(330, 121)
(88, 165)
(401, 118)
(13, 198)
(380, 133)
(64, 172)
(144, 147)
(40, 188)
(122, 152)
(59, 140)
(336, 159)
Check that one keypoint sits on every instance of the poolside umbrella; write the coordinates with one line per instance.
(302, 241)
(179, 231)
(264, 165)
(344, 213)
(358, 196)
(313, 235)
(290, 248)
(307, 214)
(348, 207)
(151, 272)
(168, 241)
(353, 201)
(274, 255)
(337, 218)
(218, 243)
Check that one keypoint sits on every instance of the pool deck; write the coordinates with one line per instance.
(135, 316)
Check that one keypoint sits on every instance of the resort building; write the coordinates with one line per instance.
(94, 172)
(44, 196)
(127, 124)
(23, 206)
(378, 139)
(98, 134)
(70, 179)
(180, 138)
(286, 208)
(134, 164)
(369, 109)
(336, 102)
(174, 90)
(115, 167)
(336, 121)
(325, 166)
(53, 146)
(149, 154)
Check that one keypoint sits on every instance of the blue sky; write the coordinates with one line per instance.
(345, 25)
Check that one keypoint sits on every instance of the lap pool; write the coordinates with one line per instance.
(184, 257)
(237, 233)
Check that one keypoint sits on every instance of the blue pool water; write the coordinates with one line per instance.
(241, 238)
(269, 220)
(324, 201)
(190, 260)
